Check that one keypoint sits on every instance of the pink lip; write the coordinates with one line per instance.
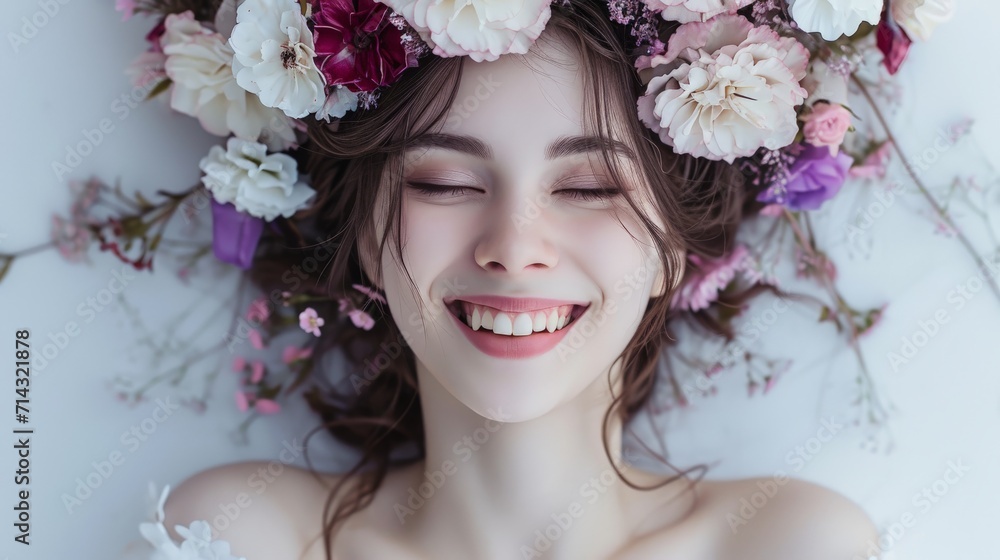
(513, 347)
(516, 305)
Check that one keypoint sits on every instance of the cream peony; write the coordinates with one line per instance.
(724, 89)
(480, 29)
(919, 17)
(198, 62)
(274, 56)
(833, 18)
(259, 184)
(686, 11)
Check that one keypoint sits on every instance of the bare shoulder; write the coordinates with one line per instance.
(265, 510)
(783, 518)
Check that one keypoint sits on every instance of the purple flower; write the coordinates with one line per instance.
(358, 47)
(814, 177)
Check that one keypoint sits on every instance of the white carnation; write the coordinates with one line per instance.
(724, 89)
(258, 184)
(274, 56)
(833, 18)
(483, 30)
(919, 17)
(198, 63)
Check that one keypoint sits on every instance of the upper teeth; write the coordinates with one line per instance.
(516, 324)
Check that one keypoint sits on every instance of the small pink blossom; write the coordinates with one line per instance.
(310, 321)
(361, 319)
(267, 406)
(826, 125)
(293, 353)
(874, 166)
(255, 339)
(241, 401)
(126, 7)
(258, 372)
(772, 210)
(769, 383)
(713, 277)
(239, 363)
(71, 238)
(369, 292)
(259, 311)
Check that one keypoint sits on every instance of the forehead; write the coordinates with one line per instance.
(520, 101)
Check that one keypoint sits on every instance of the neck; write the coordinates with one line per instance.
(506, 490)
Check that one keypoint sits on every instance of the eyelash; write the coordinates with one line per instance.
(580, 194)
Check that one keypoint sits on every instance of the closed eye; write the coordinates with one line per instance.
(432, 189)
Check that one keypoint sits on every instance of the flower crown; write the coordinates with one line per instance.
(763, 82)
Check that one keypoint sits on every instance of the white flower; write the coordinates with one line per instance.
(823, 83)
(724, 89)
(274, 56)
(481, 29)
(197, 544)
(338, 103)
(919, 17)
(833, 18)
(256, 183)
(686, 11)
(198, 63)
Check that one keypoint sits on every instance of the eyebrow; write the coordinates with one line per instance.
(562, 146)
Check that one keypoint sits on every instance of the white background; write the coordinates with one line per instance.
(947, 398)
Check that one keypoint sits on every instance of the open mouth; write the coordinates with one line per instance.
(488, 319)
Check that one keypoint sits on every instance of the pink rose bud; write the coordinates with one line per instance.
(826, 125)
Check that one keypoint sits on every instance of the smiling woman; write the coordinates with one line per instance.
(498, 233)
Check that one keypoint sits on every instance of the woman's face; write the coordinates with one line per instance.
(491, 215)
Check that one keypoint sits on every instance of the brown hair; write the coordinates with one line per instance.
(701, 202)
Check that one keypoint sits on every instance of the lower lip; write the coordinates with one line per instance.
(513, 347)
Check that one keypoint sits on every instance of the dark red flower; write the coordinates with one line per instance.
(154, 35)
(356, 44)
(892, 41)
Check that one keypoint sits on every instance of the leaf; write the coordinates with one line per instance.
(158, 89)
(5, 263)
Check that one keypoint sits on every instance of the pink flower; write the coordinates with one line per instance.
(724, 89)
(769, 383)
(310, 321)
(126, 7)
(874, 166)
(826, 125)
(361, 319)
(369, 292)
(241, 401)
(258, 372)
(686, 11)
(255, 339)
(259, 310)
(71, 238)
(711, 278)
(772, 210)
(239, 364)
(293, 353)
(267, 406)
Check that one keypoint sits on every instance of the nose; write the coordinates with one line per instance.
(512, 243)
